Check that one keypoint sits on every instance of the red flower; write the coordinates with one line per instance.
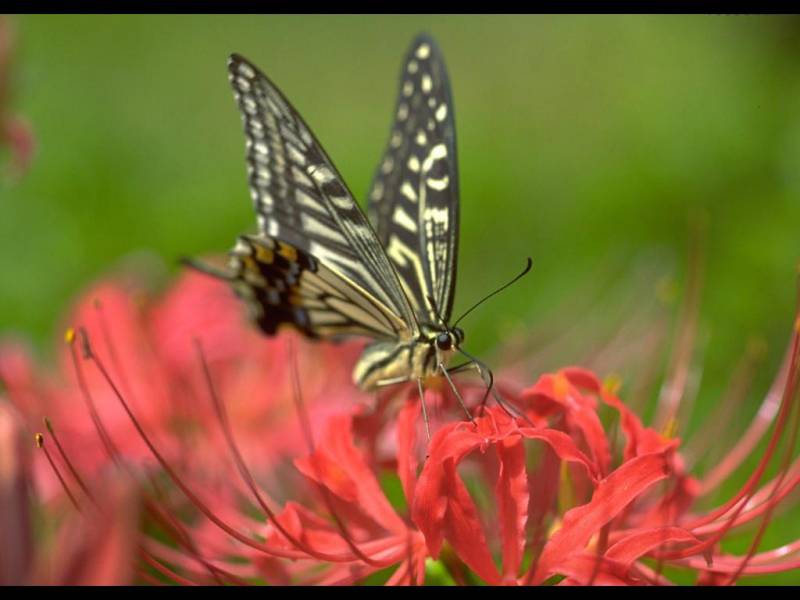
(250, 473)
(94, 545)
(150, 354)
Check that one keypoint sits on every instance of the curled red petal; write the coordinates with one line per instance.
(610, 497)
(325, 469)
(564, 447)
(638, 438)
(406, 446)
(463, 528)
(585, 569)
(338, 465)
(448, 447)
(637, 544)
(512, 502)
(579, 410)
(582, 378)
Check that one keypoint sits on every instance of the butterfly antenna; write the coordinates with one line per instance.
(207, 269)
(497, 291)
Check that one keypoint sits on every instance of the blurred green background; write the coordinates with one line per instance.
(590, 143)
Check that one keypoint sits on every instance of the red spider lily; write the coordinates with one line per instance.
(149, 351)
(201, 413)
(92, 546)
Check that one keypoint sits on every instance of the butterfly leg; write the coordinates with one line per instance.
(488, 378)
(461, 367)
(424, 409)
(394, 380)
(456, 392)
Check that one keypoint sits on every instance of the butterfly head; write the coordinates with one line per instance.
(449, 339)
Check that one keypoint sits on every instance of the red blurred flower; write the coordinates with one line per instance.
(149, 351)
(93, 545)
(15, 133)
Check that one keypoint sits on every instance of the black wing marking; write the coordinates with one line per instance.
(413, 201)
(282, 284)
(301, 199)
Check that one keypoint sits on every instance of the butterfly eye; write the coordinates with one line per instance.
(444, 341)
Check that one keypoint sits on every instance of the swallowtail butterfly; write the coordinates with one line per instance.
(318, 264)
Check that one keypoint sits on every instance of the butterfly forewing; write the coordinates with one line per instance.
(301, 200)
(413, 201)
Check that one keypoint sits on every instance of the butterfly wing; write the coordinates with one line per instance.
(283, 284)
(413, 201)
(301, 200)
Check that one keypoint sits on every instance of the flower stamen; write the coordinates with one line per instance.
(39, 439)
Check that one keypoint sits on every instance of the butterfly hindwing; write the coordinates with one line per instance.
(301, 200)
(413, 201)
(283, 284)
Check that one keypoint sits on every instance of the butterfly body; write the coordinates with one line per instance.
(385, 363)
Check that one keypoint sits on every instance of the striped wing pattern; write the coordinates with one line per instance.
(413, 201)
(283, 284)
(303, 205)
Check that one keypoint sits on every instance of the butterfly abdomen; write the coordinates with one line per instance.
(385, 363)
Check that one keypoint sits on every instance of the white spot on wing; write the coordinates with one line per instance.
(295, 155)
(423, 52)
(301, 177)
(438, 184)
(321, 174)
(403, 219)
(377, 191)
(246, 70)
(266, 200)
(408, 191)
(437, 152)
(427, 83)
(402, 111)
(249, 106)
(343, 202)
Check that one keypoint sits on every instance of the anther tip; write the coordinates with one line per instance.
(69, 335)
(39, 439)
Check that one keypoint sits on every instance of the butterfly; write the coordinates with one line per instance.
(320, 265)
